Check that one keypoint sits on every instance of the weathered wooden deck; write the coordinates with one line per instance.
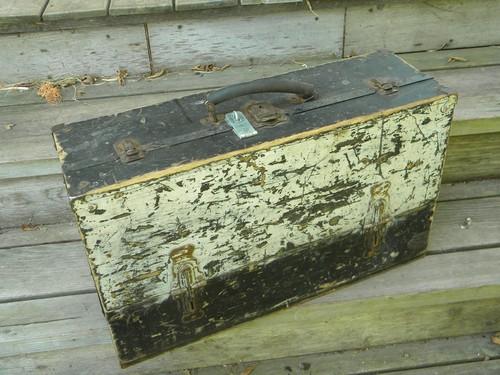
(435, 315)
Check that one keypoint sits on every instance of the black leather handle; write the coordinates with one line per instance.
(302, 89)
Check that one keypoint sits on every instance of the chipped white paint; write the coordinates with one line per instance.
(247, 209)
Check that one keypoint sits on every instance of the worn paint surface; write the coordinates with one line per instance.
(150, 240)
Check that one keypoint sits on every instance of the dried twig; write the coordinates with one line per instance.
(157, 74)
(308, 3)
(456, 59)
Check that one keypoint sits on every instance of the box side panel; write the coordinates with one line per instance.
(166, 242)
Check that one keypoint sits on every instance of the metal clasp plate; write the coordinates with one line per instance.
(129, 150)
(240, 125)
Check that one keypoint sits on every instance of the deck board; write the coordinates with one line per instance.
(101, 51)
(301, 329)
(13, 11)
(89, 360)
(238, 40)
(184, 80)
(476, 368)
(421, 25)
(128, 7)
(74, 9)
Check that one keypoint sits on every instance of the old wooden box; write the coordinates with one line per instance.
(204, 212)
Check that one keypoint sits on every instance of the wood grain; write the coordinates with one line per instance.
(100, 51)
(483, 368)
(13, 11)
(473, 157)
(467, 190)
(203, 4)
(454, 58)
(475, 126)
(484, 226)
(38, 200)
(237, 40)
(128, 7)
(43, 271)
(421, 25)
(30, 168)
(38, 235)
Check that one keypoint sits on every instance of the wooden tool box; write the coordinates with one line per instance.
(210, 210)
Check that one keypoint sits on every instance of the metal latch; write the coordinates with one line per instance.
(129, 150)
(240, 125)
(266, 114)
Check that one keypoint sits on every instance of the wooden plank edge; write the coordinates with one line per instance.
(469, 190)
(485, 367)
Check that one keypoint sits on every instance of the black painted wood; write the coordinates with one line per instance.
(178, 131)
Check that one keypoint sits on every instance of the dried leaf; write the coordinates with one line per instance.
(9, 126)
(248, 370)
(495, 339)
(50, 92)
(121, 74)
(209, 68)
(157, 74)
(30, 227)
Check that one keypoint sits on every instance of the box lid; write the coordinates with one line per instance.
(112, 151)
